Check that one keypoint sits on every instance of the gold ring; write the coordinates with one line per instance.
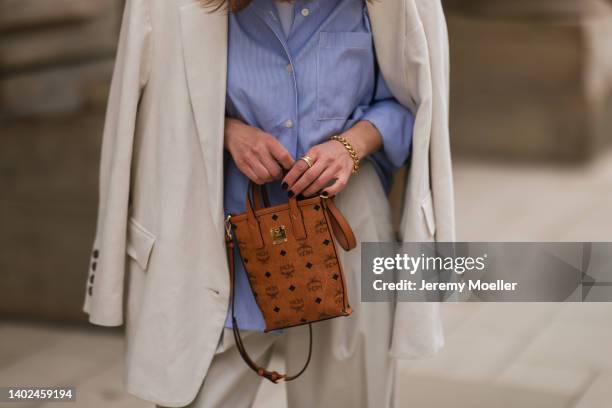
(308, 160)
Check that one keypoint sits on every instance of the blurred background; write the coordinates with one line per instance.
(531, 128)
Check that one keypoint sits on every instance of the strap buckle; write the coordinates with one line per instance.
(273, 376)
(228, 227)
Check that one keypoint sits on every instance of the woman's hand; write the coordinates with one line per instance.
(333, 164)
(256, 153)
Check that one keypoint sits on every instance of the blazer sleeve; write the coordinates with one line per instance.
(434, 24)
(422, 319)
(104, 288)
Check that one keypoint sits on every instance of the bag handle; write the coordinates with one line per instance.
(295, 214)
(273, 376)
(260, 195)
(340, 226)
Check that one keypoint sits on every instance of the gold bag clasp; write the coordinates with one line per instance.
(278, 234)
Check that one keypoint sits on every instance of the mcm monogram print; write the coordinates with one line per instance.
(321, 226)
(282, 323)
(338, 296)
(304, 249)
(330, 261)
(297, 305)
(262, 255)
(287, 270)
(241, 244)
(314, 285)
(272, 291)
(295, 281)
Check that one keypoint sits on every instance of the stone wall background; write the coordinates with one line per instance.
(56, 59)
(531, 81)
(55, 56)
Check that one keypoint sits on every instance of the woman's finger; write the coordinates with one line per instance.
(271, 165)
(324, 180)
(280, 154)
(294, 174)
(308, 177)
(261, 172)
(337, 187)
(247, 171)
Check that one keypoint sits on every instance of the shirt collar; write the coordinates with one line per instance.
(309, 16)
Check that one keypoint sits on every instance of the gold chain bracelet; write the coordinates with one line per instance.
(350, 150)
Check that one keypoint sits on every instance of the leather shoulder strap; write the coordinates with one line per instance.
(273, 376)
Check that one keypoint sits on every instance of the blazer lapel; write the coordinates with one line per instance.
(204, 39)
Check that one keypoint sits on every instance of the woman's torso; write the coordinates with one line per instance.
(302, 88)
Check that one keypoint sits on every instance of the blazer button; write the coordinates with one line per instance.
(93, 266)
(90, 290)
(91, 278)
(96, 253)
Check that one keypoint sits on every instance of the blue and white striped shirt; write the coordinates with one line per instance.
(302, 88)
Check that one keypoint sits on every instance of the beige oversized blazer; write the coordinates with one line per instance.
(158, 258)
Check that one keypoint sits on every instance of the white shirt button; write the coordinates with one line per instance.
(289, 124)
(289, 68)
(305, 12)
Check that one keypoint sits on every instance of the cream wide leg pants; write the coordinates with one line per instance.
(350, 366)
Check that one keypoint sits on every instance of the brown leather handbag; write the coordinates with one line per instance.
(289, 254)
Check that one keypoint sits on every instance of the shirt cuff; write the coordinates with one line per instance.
(395, 125)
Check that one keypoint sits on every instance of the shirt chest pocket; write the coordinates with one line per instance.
(345, 73)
